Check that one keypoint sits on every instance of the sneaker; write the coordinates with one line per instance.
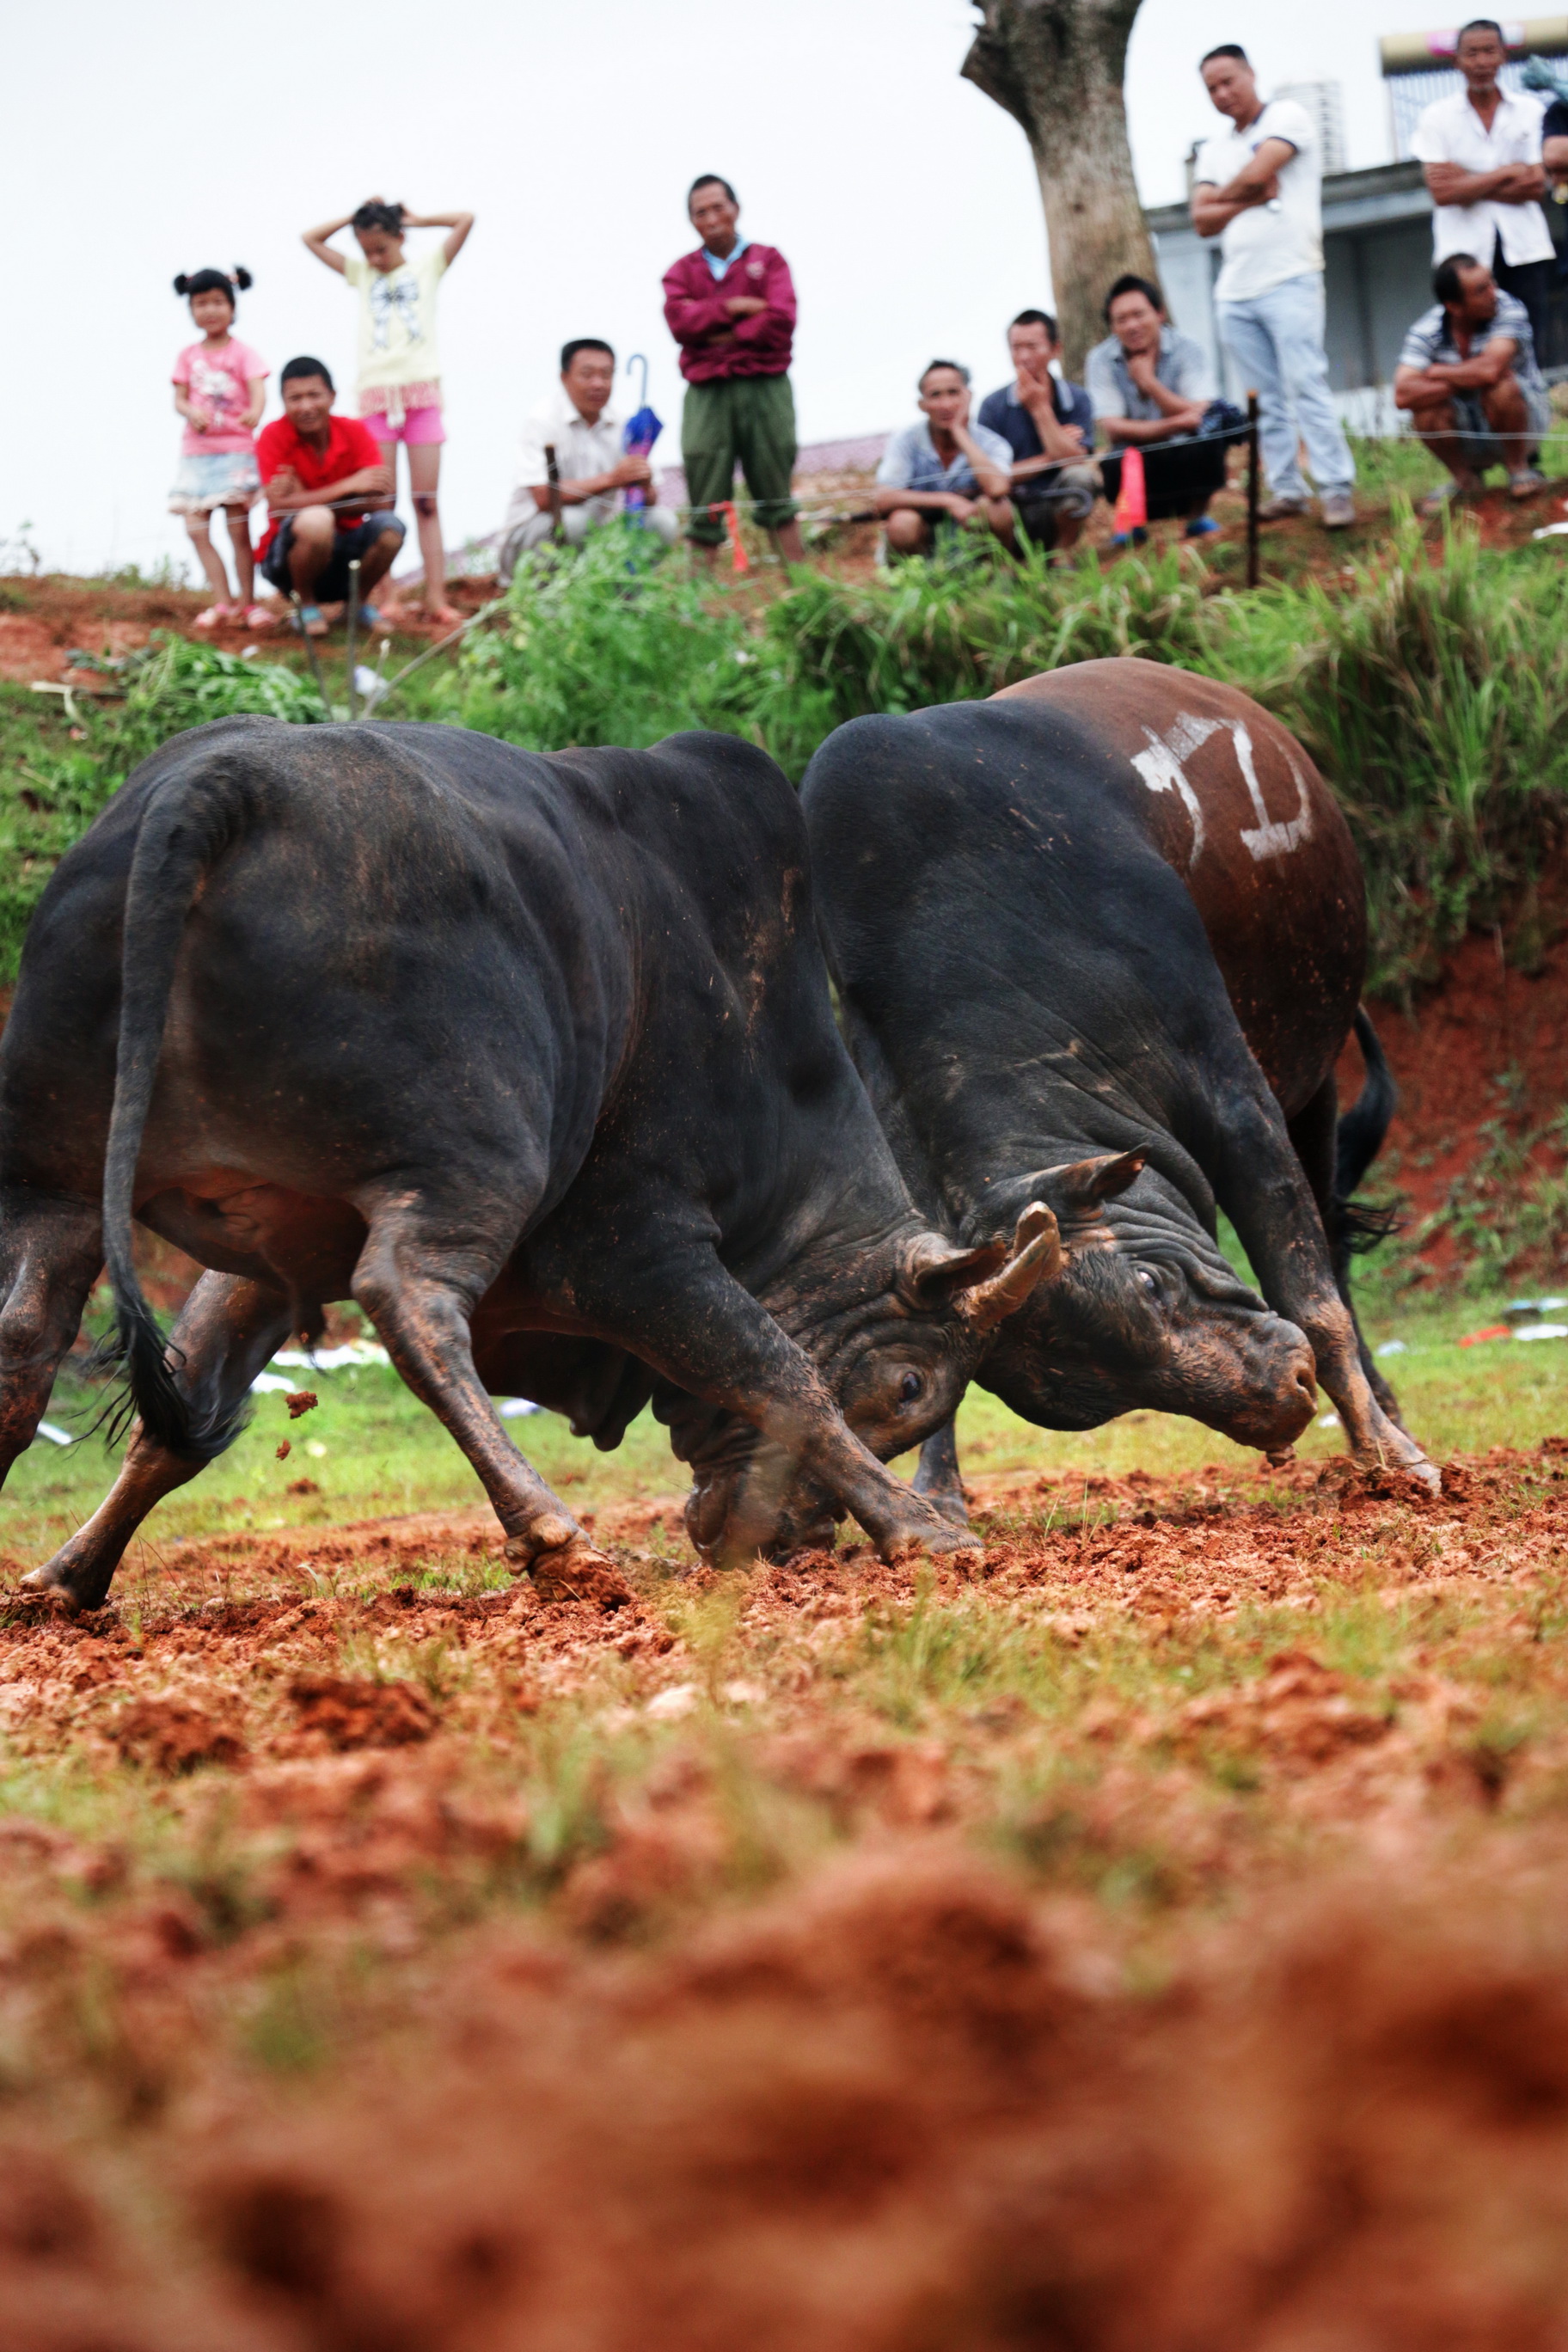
(1336, 510)
(1281, 509)
(1136, 537)
(1201, 527)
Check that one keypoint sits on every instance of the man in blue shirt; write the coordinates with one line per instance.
(1049, 424)
(943, 473)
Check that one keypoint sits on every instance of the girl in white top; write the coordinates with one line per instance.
(399, 369)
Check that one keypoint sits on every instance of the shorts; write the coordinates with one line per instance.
(1486, 449)
(215, 477)
(416, 428)
(1044, 501)
(333, 585)
(737, 420)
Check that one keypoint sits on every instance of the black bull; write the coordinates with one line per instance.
(532, 1057)
(1100, 941)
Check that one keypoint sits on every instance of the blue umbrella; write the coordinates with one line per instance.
(641, 432)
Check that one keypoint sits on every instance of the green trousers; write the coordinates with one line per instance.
(747, 420)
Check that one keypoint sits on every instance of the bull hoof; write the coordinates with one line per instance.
(50, 1586)
(952, 1507)
(907, 1543)
(575, 1572)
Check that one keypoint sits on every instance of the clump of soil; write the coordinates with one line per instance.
(348, 1712)
(172, 1735)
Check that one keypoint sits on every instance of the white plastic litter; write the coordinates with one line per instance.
(55, 1435)
(670, 1705)
(1392, 1348)
(265, 1381)
(514, 1408)
(1549, 530)
(1531, 1310)
(332, 1359)
(1328, 1421)
(1544, 1331)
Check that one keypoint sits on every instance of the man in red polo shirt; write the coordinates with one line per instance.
(325, 480)
(731, 307)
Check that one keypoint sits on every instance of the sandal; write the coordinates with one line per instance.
(260, 616)
(216, 616)
(1525, 483)
(310, 620)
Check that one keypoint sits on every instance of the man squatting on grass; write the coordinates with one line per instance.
(1049, 424)
(731, 308)
(307, 459)
(1151, 388)
(1468, 377)
(1258, 188)
(944, 473)
(578, 422)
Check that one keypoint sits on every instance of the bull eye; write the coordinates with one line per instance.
(909, 1387)
(1150, 1281)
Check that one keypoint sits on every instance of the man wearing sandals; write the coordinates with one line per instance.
(327, 489)
(1469, 380)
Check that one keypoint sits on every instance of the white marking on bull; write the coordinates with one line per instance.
(1163, 771)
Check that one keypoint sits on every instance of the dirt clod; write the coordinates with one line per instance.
(172, 1735)
(349, 1713)
(300, 1401)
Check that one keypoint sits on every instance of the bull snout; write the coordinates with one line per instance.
(1280, 1386)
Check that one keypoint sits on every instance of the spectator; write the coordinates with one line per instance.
(1468, 377)
(1049, 424)
(579, 424)
(1481, 154)
(944, 473)
(399, 371)
(1258, 188)
(731, 308)
(1151, 389)
(220, 391)
(327, 486)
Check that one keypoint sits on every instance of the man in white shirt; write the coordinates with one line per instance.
(579, 424)
(1258, 188)
(1481, 151)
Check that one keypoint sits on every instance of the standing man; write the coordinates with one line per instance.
(731, 308)
(1481, 154)
(578, 422)
(1049, 424)
(1258, 188)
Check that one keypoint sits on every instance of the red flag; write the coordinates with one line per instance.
(739, 560)
(1131, 498)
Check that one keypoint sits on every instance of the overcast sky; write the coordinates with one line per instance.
(139, 142)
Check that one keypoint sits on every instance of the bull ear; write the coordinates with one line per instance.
(1078, 1188)
(1035, 1257)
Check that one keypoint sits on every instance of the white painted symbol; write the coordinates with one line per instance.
(1163, 771)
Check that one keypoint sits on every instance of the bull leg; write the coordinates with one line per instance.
(1313, 1131)
(1264, 1191)
(938, 1477)
(230, 1330)
(420, 1290)
(51, 1247)
(695, 1324)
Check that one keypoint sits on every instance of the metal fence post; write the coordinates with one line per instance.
(1252, 474)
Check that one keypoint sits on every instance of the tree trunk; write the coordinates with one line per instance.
(1056, 65)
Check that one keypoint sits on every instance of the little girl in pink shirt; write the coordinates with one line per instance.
(220, 390)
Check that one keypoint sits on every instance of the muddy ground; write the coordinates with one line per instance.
(1156, 1938)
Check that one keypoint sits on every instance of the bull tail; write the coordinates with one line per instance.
(1359, 1138)
(185, 828)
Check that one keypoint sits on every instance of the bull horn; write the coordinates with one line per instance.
(1037, 1257)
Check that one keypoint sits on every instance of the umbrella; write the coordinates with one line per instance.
(641, 432)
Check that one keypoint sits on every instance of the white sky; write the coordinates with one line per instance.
(139, 142)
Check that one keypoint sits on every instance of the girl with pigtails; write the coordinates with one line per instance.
(220, 391)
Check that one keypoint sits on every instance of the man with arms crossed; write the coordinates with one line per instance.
(1481, 150)
(1468, 378)
(326, 486)
(578, 422)
(1049, 424)
(1258, 188)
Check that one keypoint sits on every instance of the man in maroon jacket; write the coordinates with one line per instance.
(731, 307)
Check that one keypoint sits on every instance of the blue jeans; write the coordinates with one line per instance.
(1277, 342)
